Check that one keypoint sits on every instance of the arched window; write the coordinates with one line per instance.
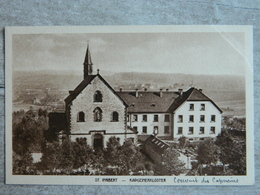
(81, 116)
(98, 96)
(115, 116)
(97, 114)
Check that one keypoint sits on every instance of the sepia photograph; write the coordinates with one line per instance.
(135, 105)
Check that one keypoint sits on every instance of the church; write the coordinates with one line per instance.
(95, 111)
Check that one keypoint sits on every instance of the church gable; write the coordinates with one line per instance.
(97, 107)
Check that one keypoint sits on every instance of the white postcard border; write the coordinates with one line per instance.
(130, 180)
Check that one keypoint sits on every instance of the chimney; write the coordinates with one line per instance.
(160, 92)
(180, 92)
(200, 90)
(136, 92)
(120, 89)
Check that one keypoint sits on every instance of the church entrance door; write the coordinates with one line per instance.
(98, 141)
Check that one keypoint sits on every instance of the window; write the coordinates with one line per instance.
(166, 129)
(98, 96)
(202, 118)
(166, 118)
(191, 130)
(144, 118)
(155, 130)
(180, 118)
(155, 118)
(127, 118)
(202, 130)
(202, 107)
(191, 139)
(115, 116)
(135, 117)
(81, 116)
(191, 118)
(144, 129)
(191, 107)
(202, 138)
(97, 114)
(180, 130)
(213, 118)
(135, 128)
(212, 130)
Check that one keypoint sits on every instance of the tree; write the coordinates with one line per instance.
(233, 153)
(50, 158)
(22, 164)
(28, 136)
(112, 151)
(82, 153)
(66, 156)
(129, 157)
(182, 142)
(170, 163)
(207, 152)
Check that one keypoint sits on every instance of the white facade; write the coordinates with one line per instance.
(150, 123)
(204, 120)
(193, 119)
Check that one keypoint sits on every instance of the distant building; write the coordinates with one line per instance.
(96, 112)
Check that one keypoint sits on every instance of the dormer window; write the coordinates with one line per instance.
(98, 96)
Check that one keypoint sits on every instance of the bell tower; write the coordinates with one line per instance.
(88, 65)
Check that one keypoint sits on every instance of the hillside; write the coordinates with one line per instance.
(228, 91)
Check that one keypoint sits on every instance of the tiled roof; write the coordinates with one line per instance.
(79, 88)
(157, 144)
(86, 82)
(148, 101)
(192, 94)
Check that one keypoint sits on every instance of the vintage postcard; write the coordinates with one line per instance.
(129, 105)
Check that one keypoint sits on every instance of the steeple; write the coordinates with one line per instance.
(88, 69)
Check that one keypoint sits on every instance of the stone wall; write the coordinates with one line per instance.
(85, 102)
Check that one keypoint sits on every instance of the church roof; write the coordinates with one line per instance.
(84, 84)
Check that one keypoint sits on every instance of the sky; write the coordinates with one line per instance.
(170, 52)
